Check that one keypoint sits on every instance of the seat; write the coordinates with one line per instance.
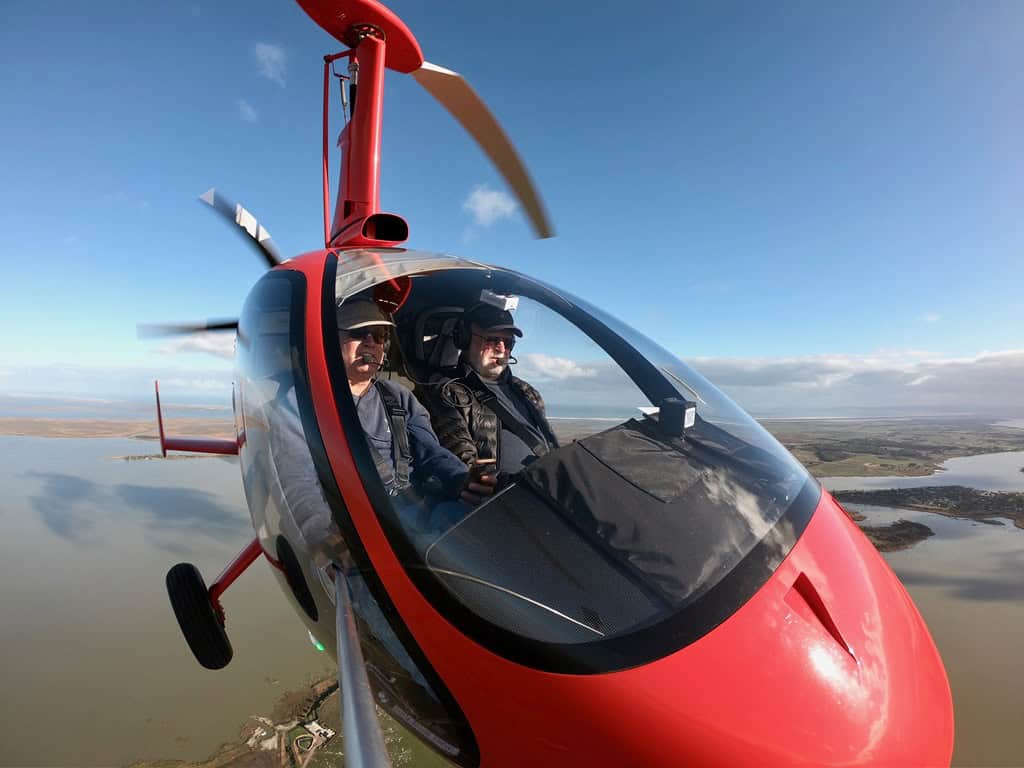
(433, 346)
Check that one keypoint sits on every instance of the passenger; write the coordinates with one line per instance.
(479, 410)
(397, 427)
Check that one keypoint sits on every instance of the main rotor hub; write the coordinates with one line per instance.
(359, 32)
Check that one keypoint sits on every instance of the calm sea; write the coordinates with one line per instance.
(95, 670)
(968, 582)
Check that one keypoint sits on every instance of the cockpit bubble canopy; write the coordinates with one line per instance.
(631, 539)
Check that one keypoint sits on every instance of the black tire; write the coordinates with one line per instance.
(196, 617)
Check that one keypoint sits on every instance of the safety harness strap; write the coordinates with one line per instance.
(397, 421)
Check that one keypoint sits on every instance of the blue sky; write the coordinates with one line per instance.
(772, 190)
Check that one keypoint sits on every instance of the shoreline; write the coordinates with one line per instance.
(903, 534)
(303, 731)
(827, 448)
(139, 429)
(956, 501)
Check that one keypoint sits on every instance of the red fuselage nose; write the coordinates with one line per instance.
(828, 664)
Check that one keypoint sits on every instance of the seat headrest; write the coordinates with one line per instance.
(445, 354)
(433, 345)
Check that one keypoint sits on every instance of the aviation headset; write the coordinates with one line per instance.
(462, 332)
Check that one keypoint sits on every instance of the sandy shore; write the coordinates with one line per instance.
(143, 429)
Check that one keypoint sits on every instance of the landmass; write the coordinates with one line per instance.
(949, 500)
(903, 534)
(140, 429)
(880, 448)
(301, 732)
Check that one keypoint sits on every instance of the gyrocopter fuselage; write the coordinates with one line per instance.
(669, 589)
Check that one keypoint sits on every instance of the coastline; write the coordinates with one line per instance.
(141, 429)
(893, 447)
(954, 501)
(826, 447)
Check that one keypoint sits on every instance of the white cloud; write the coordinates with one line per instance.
(105, 382)
(988, 381)
(546, 368)
(216, 344)
(487, 205)
(930, 317)
(884, 383)
(247, 111)
(271, 61)
(192, 384)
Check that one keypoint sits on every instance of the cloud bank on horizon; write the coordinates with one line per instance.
(987, 382)
(807, 385)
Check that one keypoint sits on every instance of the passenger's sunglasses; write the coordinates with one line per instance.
(361, 334)
(494, 341)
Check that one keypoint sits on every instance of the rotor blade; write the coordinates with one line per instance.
(236, 214)
(151, 330)
(459, 98)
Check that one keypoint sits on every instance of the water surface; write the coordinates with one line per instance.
(91, 649)
(968, 583)
(987, 472)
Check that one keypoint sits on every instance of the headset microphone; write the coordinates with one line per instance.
(366, 357)
(511, 360)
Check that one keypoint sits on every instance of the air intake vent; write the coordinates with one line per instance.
(385, 226)
(804, 598)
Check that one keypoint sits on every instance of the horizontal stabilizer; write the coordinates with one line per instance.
(192, 444)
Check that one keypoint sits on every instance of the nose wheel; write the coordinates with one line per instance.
(201, 622)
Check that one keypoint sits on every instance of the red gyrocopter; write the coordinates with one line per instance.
(672, 589)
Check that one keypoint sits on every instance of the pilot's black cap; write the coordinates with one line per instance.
(490, 318)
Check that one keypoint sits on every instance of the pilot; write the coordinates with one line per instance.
(479, 410)
(397, 427)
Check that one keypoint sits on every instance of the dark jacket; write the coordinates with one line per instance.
(467, 427)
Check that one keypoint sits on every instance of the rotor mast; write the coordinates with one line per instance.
(358, 220)
(378, 39)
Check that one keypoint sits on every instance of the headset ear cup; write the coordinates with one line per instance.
(462, 330)
(460, 334)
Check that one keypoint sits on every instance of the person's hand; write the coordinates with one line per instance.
(479, 489)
